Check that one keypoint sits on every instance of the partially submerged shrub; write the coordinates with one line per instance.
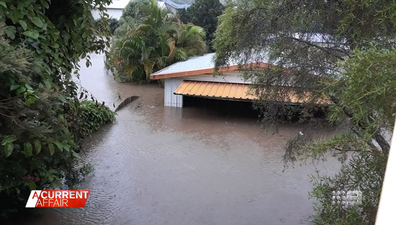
(93, 115)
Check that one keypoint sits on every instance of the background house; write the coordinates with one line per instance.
(115, 8)
(173, 6)
(194, 77)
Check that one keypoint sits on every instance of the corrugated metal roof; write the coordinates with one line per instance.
(215, 90)
(199, 65)
(195, 63)
(237, 92)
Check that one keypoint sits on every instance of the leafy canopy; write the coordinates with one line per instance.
(146, 44)
(203, 13)
(339, 49)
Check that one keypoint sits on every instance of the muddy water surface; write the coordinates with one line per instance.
(160, 165)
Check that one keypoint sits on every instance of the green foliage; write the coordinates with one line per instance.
(94, 115)
(114, 24)
(365, 106)
(203, 13)
(49, 29)
(41, 43)
(104, 25)
(144, 45)
(135, 10)
(340, 49)
(32, 120)
(367, 87)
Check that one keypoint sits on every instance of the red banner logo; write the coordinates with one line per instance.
(57, 198)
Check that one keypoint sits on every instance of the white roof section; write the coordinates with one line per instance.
(195, 63)
(174, 4)
(204, 64)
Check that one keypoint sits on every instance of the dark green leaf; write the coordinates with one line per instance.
(36, 21)
(21, 89)
(8, 139)
(66, 146)
(10, 32)
(54, 45)
(9, 147)
(37, 146)
(32, 34)
(3, 4)
(59, 145)
(51, 148)
(30, 184)
(14, 86)
(14, 16)
(28, 149)
(45, 4)
(28, 87)
(23, 24)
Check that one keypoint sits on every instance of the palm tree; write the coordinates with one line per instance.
(157, 41)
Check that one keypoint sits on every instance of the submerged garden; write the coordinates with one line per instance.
(341, 50)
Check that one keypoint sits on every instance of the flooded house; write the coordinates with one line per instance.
(196, 77)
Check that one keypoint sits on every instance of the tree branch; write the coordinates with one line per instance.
(319, 47)
(384, 145)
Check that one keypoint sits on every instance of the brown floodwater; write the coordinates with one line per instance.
(196, 165)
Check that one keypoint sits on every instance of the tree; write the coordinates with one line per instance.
(203, 13)
(332, 49)
(105, 25)
(41, 127)
(366, 96)
(158, 40)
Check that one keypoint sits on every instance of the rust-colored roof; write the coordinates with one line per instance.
(215, 90)
(234, 91)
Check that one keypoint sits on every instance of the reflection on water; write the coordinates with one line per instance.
(160, 165)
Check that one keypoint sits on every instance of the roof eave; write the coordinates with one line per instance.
(206, 71)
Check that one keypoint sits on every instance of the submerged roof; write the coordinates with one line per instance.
(192, 64)
(215, 90)
(198, 65)
(241, 92)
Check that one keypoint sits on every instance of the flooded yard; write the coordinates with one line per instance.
(160, 165)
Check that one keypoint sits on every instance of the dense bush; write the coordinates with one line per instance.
(41, 43)
(35, 144)
(93, 115)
